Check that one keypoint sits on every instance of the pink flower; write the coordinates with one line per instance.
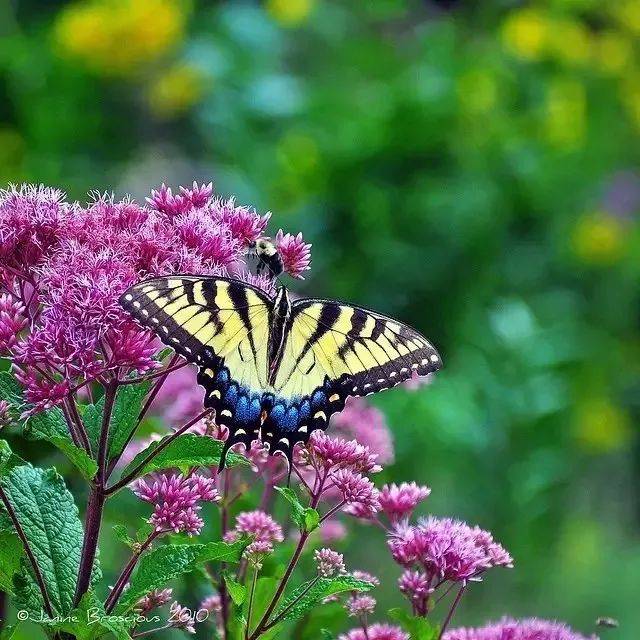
(360, 605)
(332, 530)
(176, 500)
(400, 501)
(355, 489)
(256, 551)
(260, 525)
(164, 201)
(376, 632)
(295, 253)
(212, 603)
(447, 549)
(182, 618)
(366, 577)
(526, 629)
(153, 600)
(42, 393)
(333, 453)
(244, 223)
(328, 562)
(12, 322)
(5, 414)
(368, 426)
(416, 586)
(197, 196)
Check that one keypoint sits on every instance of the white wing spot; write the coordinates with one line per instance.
(303, 428)
(128, 297)
(174, 339)
(404, 370)
(415, 365)
(425, 361)
(367, 385)
(165, 329)
(226, 412)
(380, 380)
(136, 304)
(285, 440)
(187, 349)
(239, 432)
(155, 320)
(434, 357)
(393, 374)
(321, 414)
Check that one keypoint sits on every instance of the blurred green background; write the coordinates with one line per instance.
(470, 167)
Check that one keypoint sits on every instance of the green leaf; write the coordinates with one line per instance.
(49, 518)
(121, 534)
(306, 518)
(11, 552)
(262, 596)
(237, 591)
(312, 593)
(89, 621)
(187, 450)
(161, 565)
(325, 634)
(49, 425)
(144, 531)
(124, 417)
(417, 627)
(164, 353)
(8, 459)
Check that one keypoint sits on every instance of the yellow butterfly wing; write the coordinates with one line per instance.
(222, 326)
(333, 350)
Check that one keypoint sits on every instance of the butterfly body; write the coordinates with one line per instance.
(274, 369)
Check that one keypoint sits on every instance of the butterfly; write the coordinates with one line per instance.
(274, 369)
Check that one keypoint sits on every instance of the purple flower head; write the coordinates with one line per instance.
(368, 426)
(356, 490)
(260, 525)
(332, 530)
(366, 577)
(334, 453)
(164, 201)
(244, 223)
(153, 600)
(197, 195)
(399, 501)
(509, 629)
(446, 550)
(212, 603)
(5, 414)
(328, 562)
(12, 322)
(295, 253)
(376, 632)
(31, 223)
(182, 618)
(256, 551)
(360, 605)
(416, 586)
(176, 499)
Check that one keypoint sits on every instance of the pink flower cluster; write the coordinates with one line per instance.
(439, 550)
(376, 632)
(63, 267)
(176, 499)
(509, 629)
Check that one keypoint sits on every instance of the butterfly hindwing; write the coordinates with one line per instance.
(221, 325)
(332, 351)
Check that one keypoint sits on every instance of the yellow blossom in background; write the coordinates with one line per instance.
(477, 91)
(598, 239)
(115, 37)
(569, 41)
(630, 94)
(289, 13)
(175, 91)
(600, 426)
(524, 33)
(565, 113)
(612, 52)
(627, 13)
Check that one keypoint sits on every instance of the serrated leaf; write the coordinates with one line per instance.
(297, 508)
(8, 459)
(417, 627)
(313, 592)
(121, 534)
(165, 563)
(237, 591)
(88, 621)
(11, 552)
(311, 519)
(144, 531)
(49, 518)
(49, 425)
(124, 417)
(187, 450)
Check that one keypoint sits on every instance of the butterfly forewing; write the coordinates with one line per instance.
(223, 327)
(332, 351)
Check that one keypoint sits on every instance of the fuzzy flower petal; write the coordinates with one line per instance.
(526, 629)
